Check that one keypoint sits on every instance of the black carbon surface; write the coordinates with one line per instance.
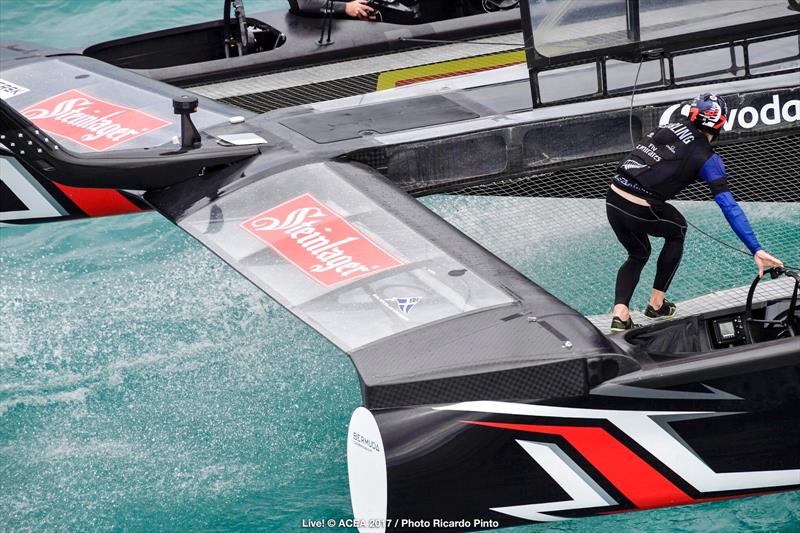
(399, 115)
(559, 379)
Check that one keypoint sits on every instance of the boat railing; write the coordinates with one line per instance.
(739, 40)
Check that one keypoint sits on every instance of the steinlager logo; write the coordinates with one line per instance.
(747, 117)
(89, 121)
(318, 241)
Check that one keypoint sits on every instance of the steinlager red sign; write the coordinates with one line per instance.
(319, 241)
(89, 121)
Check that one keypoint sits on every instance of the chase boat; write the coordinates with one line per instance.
(239, 45)
(487, 401)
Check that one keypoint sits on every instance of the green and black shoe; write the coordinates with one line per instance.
(666, 310)
(618, 325)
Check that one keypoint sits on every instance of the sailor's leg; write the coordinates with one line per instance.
(638, 247)
(671, 226)
(627, 226)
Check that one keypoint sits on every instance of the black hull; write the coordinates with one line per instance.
(621, 448)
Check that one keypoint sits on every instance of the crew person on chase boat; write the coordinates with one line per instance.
(355, 9)
(664, 163)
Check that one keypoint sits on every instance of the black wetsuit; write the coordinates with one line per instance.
(665, 162)
(633, 224)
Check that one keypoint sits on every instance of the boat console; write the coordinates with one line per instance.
(232, 36)
(722, 329)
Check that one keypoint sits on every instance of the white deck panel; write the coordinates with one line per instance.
(767, 290)
(360, 67)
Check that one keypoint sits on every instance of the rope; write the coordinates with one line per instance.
(630, 110)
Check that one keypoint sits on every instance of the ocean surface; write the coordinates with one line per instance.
(145, 386)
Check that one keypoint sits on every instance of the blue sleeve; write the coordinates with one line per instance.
(738, 220)
(713, 173)
(713, 169)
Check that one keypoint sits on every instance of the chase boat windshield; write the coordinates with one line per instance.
(570, 26)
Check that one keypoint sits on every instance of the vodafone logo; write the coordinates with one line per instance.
(89, 121)
(747, 117)
(318, 241)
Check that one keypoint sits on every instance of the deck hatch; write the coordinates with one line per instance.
(401, 115)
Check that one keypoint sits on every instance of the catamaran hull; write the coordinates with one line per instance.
(629, 445)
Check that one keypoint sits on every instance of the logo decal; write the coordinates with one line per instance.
(365, 442)
(684, 134)
(630, 164)
(319, 241)
(405, 305)
(89, 121)
(8, 89)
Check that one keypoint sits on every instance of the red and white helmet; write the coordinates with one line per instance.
(709, 112)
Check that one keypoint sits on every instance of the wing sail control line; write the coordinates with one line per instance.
(138, 169)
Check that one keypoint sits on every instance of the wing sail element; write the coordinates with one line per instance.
(426, 314)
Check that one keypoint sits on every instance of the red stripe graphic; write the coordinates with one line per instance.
(642, 484)
(99, 202)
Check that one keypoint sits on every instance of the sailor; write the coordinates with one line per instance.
(355, 9)
(664, 163)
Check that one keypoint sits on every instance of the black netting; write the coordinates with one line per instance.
(551, 225)
(377, 158)
(261, 102)
(760, 170)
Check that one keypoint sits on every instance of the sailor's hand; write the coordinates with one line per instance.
(359, 9)
(764, 260)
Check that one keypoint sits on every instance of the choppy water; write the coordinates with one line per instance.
(145, 386)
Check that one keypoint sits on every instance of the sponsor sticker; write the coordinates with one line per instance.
(405, 305)
(89, 121)
(319, 241)
(8, 89)
(631, 164)
(365, 443)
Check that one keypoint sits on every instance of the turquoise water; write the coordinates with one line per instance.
(145, 386)
(570, 250)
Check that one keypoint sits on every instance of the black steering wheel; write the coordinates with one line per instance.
(786, 320)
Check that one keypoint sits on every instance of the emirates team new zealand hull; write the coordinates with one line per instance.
(635, 442)
(487, 401)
